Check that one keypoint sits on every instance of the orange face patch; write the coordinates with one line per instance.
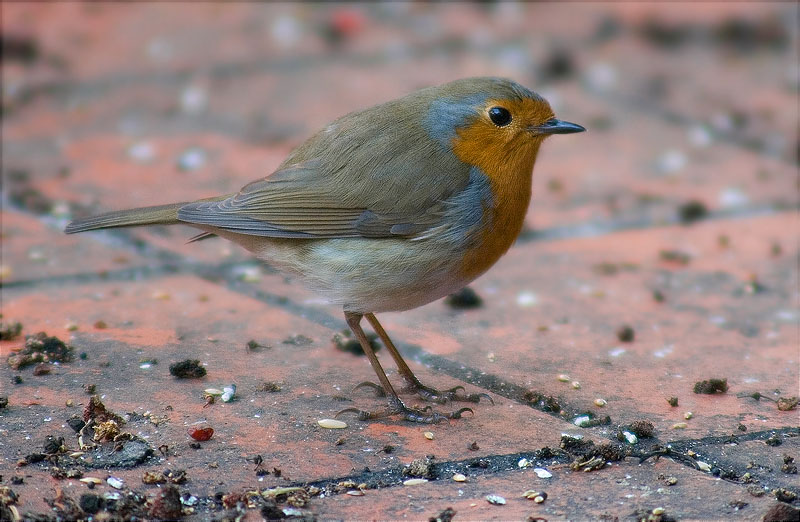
(506, 155)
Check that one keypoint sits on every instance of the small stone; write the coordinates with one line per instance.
(576, 385)
(582, 420)
(630, 437)
(542, 473)
(228, 393)
(332, 424)
(523, 463)
(115, 483)
(688, 415)
(659, 511)
(703, 466)
(497, 500)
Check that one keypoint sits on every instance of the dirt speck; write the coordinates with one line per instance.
(625, 334)
(692, 211)
(423, 468)
(188, 369)
(9, 330)
(711, 386)
(41, 348)
(642, 428)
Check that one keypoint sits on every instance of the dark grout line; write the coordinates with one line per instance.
(493, 464)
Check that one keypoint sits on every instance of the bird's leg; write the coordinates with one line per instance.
(396, 406)
(425, 392)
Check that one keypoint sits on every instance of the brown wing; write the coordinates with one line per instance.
(374, 173)
(299, 202)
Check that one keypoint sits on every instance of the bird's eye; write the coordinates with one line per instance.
(500, 116)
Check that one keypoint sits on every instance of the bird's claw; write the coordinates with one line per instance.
(444, 396)
(379, 391)
(423, 416)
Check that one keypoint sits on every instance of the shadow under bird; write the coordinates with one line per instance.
(388, 208)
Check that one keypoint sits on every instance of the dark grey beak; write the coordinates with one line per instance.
(555, 126)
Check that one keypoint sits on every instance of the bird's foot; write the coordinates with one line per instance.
(397, 407)
(429, 394)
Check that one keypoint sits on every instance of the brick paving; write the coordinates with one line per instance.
(676, 215)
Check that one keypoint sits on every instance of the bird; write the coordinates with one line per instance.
(387, 209)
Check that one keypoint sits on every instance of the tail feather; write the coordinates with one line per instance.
(158, 215)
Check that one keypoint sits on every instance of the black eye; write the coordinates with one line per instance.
(500, 116)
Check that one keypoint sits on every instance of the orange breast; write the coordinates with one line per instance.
(508, 166)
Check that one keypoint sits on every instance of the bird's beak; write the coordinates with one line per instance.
(556, 126)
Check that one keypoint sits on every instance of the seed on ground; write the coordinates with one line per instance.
(415, 482)
(332, 424)
(563, 377)
(679, 426)
(600, 402)
(428, 435)
(459, 477)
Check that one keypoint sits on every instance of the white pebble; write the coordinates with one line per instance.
(497, 500)
(542, 473)
(115, 483)
(415, 482)
(332, 424)
(459, 477)
(671, 161)
(526, 299)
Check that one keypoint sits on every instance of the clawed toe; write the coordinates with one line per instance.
(444, 396)
(423, 416)
(379, 391)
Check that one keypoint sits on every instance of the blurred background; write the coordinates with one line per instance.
(675, 216)
(692, 108)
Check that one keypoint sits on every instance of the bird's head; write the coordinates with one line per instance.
(493, 123)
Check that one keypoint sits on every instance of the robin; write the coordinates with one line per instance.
(388, 208)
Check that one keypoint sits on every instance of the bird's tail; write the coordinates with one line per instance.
(158, 215)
